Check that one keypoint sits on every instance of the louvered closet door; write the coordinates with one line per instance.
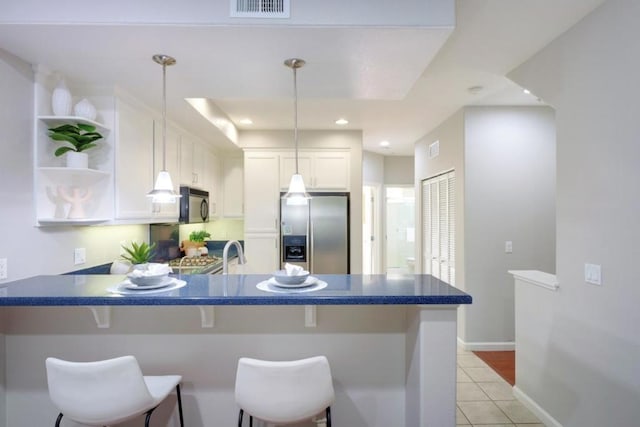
(438, 224)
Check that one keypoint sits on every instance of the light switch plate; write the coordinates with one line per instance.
(593, 274)
(79, 256)
(508, 247)
(3, 268)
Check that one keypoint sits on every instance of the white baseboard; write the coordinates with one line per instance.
(487, 346)
(537, 410)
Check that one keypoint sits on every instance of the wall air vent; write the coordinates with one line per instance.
(260, 8)
(434, 149)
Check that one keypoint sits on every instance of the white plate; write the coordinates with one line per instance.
(268, 286)
(132, 286)
(309, 282)
(127, 288)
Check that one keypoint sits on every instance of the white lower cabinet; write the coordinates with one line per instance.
(262, 253)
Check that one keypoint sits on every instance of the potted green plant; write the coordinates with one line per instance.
(77, 138)
(199, 236)
(196, 241)
(138, 254)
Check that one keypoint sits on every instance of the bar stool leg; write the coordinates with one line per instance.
(180, 405)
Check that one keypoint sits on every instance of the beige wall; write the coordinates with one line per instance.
(589, 357)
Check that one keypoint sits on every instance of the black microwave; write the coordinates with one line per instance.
(194, 205)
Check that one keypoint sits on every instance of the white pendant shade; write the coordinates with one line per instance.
(297, 194)
(163, 189)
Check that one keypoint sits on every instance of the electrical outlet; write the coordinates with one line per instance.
(508, 247)
(593, 274)
(79, 256)
(3, 268)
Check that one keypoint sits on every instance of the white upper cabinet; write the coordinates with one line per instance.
(192, 163)
(233, 191)
(212, 179)
(262, 192)
(321, 170)
(331, 171)
(134, 162)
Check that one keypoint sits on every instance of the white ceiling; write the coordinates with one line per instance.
(394, 84)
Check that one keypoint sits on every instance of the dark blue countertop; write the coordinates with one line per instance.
(79, 290)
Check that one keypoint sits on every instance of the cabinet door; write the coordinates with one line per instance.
(262, 253)
(211, 174)
(233, 192)
(288, 168)
(134, 162)
(262, 192)
(331, 171)
(199, 155)
(186, 162)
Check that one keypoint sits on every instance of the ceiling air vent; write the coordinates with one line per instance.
(260, 8)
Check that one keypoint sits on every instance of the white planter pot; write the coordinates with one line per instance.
(77, 160)
(61, 101)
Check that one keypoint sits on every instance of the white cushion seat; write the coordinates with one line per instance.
(107, 392)
(284, 392)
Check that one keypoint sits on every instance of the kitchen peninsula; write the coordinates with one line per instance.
(391, 341)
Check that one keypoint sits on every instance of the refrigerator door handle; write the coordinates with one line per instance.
(311, 246)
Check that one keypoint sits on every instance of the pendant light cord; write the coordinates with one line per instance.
(295, 114)
(164, 116)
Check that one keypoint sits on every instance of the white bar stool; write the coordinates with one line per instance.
(284, 392)
(107, 392)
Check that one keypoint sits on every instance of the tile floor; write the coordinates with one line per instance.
(485, 399)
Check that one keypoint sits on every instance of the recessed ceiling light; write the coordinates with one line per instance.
(385, 144)
(527, 91)
(246, 121)
(342, 122)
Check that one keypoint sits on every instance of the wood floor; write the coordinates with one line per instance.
(503, 362)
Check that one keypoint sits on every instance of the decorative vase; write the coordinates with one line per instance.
(61, 101)
(85, 109)
(77, 160)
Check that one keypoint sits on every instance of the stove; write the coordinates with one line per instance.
(197, 265)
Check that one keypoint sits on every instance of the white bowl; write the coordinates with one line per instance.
(281, 276)
(148, 279)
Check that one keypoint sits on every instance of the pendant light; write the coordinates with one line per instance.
(297, 194)
(163, 189)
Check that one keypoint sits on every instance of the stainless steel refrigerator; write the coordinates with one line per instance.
(316, 236)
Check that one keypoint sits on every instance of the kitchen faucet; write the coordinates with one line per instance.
(225, 255)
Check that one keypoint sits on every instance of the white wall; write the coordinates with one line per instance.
(372, 168)
(32, 250)
(504, 160)
(451, 136)
(398, 170)
(590, 375)
(509, 196)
